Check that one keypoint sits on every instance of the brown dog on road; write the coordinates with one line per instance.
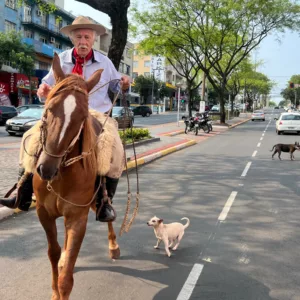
(285, 148)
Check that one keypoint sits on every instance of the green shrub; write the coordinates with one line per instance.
(137, 134)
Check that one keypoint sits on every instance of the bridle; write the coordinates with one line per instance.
(44, 131)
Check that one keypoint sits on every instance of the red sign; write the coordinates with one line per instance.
(4, 88)
(22, 82)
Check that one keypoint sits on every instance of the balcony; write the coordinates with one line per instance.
(42, 48)
(43, 25)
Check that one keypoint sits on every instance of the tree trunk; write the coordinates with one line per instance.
(119, 37)
(30, 91)
(222, 109)
(189, 93)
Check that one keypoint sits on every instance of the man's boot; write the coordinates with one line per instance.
(23, 198)
(105, 212)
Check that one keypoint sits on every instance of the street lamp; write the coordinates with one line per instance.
(179, 85)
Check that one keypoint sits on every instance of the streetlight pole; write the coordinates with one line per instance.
(152, 91)
(178, 105)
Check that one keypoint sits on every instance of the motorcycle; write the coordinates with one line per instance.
(193, 124)
(208, 120)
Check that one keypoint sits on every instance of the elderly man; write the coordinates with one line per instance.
(82, 60)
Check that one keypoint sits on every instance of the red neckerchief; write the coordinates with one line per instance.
(80, 61)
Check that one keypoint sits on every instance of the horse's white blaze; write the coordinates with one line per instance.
(69, 107)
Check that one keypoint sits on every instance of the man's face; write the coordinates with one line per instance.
(83, 40)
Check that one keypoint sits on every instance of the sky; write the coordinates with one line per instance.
(279, 59)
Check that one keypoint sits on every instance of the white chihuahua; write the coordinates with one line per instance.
(168, 232)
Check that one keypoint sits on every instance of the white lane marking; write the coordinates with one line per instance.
(190, 283)
(69, 107)
(227, 206)
(263, 134)
(246, 169)
(254, 153)
(258, 145)
(261, 139)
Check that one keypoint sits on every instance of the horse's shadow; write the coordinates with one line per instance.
(215, 282)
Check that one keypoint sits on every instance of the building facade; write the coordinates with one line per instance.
(42, 31)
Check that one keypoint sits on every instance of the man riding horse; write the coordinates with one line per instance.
(84, 61)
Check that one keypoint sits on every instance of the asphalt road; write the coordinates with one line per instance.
(242, 244)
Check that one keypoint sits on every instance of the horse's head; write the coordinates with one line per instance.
(66, 118)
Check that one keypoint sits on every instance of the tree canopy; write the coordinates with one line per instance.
(218, 35)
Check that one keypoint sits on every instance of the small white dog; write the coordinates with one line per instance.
(168, 233)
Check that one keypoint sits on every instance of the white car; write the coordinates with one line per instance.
(288, 122)
(258, 115)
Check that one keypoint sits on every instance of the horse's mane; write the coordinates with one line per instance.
(65, 85)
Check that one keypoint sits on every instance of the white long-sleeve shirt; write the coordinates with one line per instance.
(98, 100)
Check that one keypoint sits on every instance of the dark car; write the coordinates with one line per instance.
(276, 107)
(24, 121)
(24, 107)
(142, 110)
(123, 115)
(7, 112)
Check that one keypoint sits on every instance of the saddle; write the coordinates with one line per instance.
(109, 148)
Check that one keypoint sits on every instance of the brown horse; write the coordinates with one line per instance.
(68, 132)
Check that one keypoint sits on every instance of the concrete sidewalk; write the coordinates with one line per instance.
(171, 139)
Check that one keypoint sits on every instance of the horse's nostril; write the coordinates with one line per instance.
(39, 169)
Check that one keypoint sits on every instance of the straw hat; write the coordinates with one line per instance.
(83, 23)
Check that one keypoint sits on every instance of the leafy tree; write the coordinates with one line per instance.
(19, 54)
(143, 85)
(214, 31)
(183, 63)
(292, 94)
(115, 9)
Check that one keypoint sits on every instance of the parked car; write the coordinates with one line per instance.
(24, 121)
(215, 108)
(7, 112)
(276, 107)
(288, 122)
(123, 115)
(24, 107)
(258, 115)
(142, 110)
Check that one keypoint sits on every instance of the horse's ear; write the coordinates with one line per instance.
(59, 75)
(95, 78)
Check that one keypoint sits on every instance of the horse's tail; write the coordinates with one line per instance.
(273, 148)
(187, 223)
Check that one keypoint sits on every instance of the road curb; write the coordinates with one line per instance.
(172, 133)
(151, 157)
(237, 124)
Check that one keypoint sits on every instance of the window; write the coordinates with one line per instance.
(128, 53)
(121, 67)
(147, 74)
(28, 34)
(135, 64)
(9, 26)
(147, 63)
(127, 70)
(43, 39)
(11, 4)
(44, 66)
(57, 45)
(134, 75)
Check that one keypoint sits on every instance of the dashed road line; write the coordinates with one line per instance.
(258, 145)
(254, 153)
(190, 283)
(227, 206)
(246, 169)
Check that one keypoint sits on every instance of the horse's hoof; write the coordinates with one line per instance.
(114, 253)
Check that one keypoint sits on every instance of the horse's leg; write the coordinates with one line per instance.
(76, 228)
(63, 254)
(114, 250)
(53, 247)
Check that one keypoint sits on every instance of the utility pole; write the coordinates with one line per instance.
(152, 91)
